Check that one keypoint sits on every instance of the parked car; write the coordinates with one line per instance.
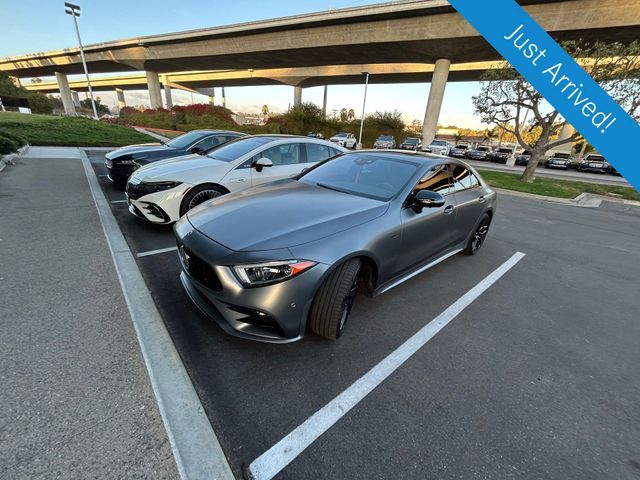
(593, 162)
(164, 191)
(500, 155)
(270, 261)
(559, 160)
(440, 147)
(385, 141)
(523, 158)
(411, 143)
(345, 139)
(459, 151)
(612, 170)
(121, 163)
(315, 135)
(478, 153)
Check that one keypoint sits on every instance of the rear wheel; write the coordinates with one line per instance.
(478, 237)
(198, 195)
(333, 301)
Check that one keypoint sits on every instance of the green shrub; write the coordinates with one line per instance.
(7, 145)
(19, 140)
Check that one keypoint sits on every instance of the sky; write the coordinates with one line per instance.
(29, 26)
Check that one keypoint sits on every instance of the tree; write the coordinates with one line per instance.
(490, 134)
(100, 108)
(265, 110)
(351, 114)
(506, 99)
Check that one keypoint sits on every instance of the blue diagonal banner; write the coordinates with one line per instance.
(544, 64)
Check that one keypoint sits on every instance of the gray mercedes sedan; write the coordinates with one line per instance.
(270, 261)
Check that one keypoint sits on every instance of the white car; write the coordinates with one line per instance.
(163, 191)
(344, 139)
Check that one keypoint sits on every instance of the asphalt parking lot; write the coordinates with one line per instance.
(537, 378)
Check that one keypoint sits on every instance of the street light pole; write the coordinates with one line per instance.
(74, 11)
(364, 103)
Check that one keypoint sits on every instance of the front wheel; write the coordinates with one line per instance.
(333, 301)
(479, 235)
(198, 195)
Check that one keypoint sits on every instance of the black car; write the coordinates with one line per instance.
(593, 163)
(121, 163)
(523, 158)
(459, 151)
(411, 143)
(500, 155)
(559, 160)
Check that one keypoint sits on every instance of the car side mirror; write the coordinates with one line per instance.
(262, 163)
(196, 150)
(427, 199)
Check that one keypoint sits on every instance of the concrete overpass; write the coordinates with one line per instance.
(415, 31)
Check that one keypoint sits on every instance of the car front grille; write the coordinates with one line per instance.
(200, 270)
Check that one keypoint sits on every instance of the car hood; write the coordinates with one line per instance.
(192, 168)
(280, 215)
(137, 150)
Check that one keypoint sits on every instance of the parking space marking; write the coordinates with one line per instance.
(155, 252)
(270, 463)
(194, 444)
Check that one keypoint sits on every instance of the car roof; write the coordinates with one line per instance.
(419, 158)
(206, 130)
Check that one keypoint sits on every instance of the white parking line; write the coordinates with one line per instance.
(105, 175)
(119, 201)
(194, 444)
(155, 252)
(270, 463)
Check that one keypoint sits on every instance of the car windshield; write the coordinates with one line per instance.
(462, 147)
(341, 134)
(235, 149)
(183, 141)
(411, 140)
(595, 158)
(483, 149)
(562, 155)
(385, 138)
(504, 150)
(439, 143)
(367, 175)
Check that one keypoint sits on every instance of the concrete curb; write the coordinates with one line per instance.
(8, 159)
(152, 134)
(195, 447)
(585, 200)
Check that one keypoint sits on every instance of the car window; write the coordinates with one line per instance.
(237, 148)
(285, 154)
(437, 180)
(210, 142)
(463, 179)
(318, 153)
(334, 151)
(186, 139)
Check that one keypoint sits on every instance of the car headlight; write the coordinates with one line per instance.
(270, 272)
(155, 187)
(124, 162)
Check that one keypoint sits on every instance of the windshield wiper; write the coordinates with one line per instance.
(329, 187)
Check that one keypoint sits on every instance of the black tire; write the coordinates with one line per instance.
(198, 195)
(479, 235)
(333, 301)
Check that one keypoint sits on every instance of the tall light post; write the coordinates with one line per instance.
(364, 103)
(74, 11)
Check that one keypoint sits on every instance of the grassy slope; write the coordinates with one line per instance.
(71, 131)
(554, 188)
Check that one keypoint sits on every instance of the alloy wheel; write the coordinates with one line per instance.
(480, 235)
(203, 196)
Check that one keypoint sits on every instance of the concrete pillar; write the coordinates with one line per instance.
(155, 97)
(436, 94)
(212, 100)
(76, 98)
(224, 99)
(16, 81)
(167, 96)
(65, 93)
(566, 132)
(324, 103)
(120, 98)
(297, 95)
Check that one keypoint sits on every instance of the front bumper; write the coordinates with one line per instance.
(274, 313)
(118, 174)
(562, 166)
(159, 207)
(589, 168)
(457, 154)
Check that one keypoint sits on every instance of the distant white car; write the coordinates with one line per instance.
(163, 191)
(344, 139)
(439, 147)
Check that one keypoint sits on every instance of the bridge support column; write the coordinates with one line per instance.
(297, 95)
(65, 93)
(566, 132)
(76, 98)
(155, 97)
(224, 99)
(324, 102)
(434, 104)
(167, 96)
(120, 98)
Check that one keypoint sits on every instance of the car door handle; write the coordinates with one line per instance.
(481, 199)
(238, 180)
(448, 209)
